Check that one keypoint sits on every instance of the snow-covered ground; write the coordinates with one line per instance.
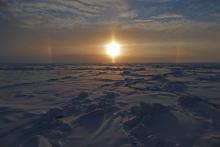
(138, 105)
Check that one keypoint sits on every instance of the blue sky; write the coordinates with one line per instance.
(154, 23)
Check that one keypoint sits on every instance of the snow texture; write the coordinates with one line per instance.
(121, 105)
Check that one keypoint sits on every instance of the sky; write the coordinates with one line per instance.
(76, 31)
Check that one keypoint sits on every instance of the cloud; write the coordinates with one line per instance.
(51, 13)
(157, 1)
(168, 16)
(2, 3)
(125, 11)
(199, 10)
(65, 13)
(76, 13)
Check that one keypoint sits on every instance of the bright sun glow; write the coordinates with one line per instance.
(113, 49)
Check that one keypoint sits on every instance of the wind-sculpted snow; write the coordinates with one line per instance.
(121, 105)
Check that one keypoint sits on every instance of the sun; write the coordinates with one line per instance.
(113, 49)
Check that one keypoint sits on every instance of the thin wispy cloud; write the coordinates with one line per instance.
(168, 16)
(60, 13)
(68, 13)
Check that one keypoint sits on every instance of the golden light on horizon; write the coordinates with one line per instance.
(113, 49)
